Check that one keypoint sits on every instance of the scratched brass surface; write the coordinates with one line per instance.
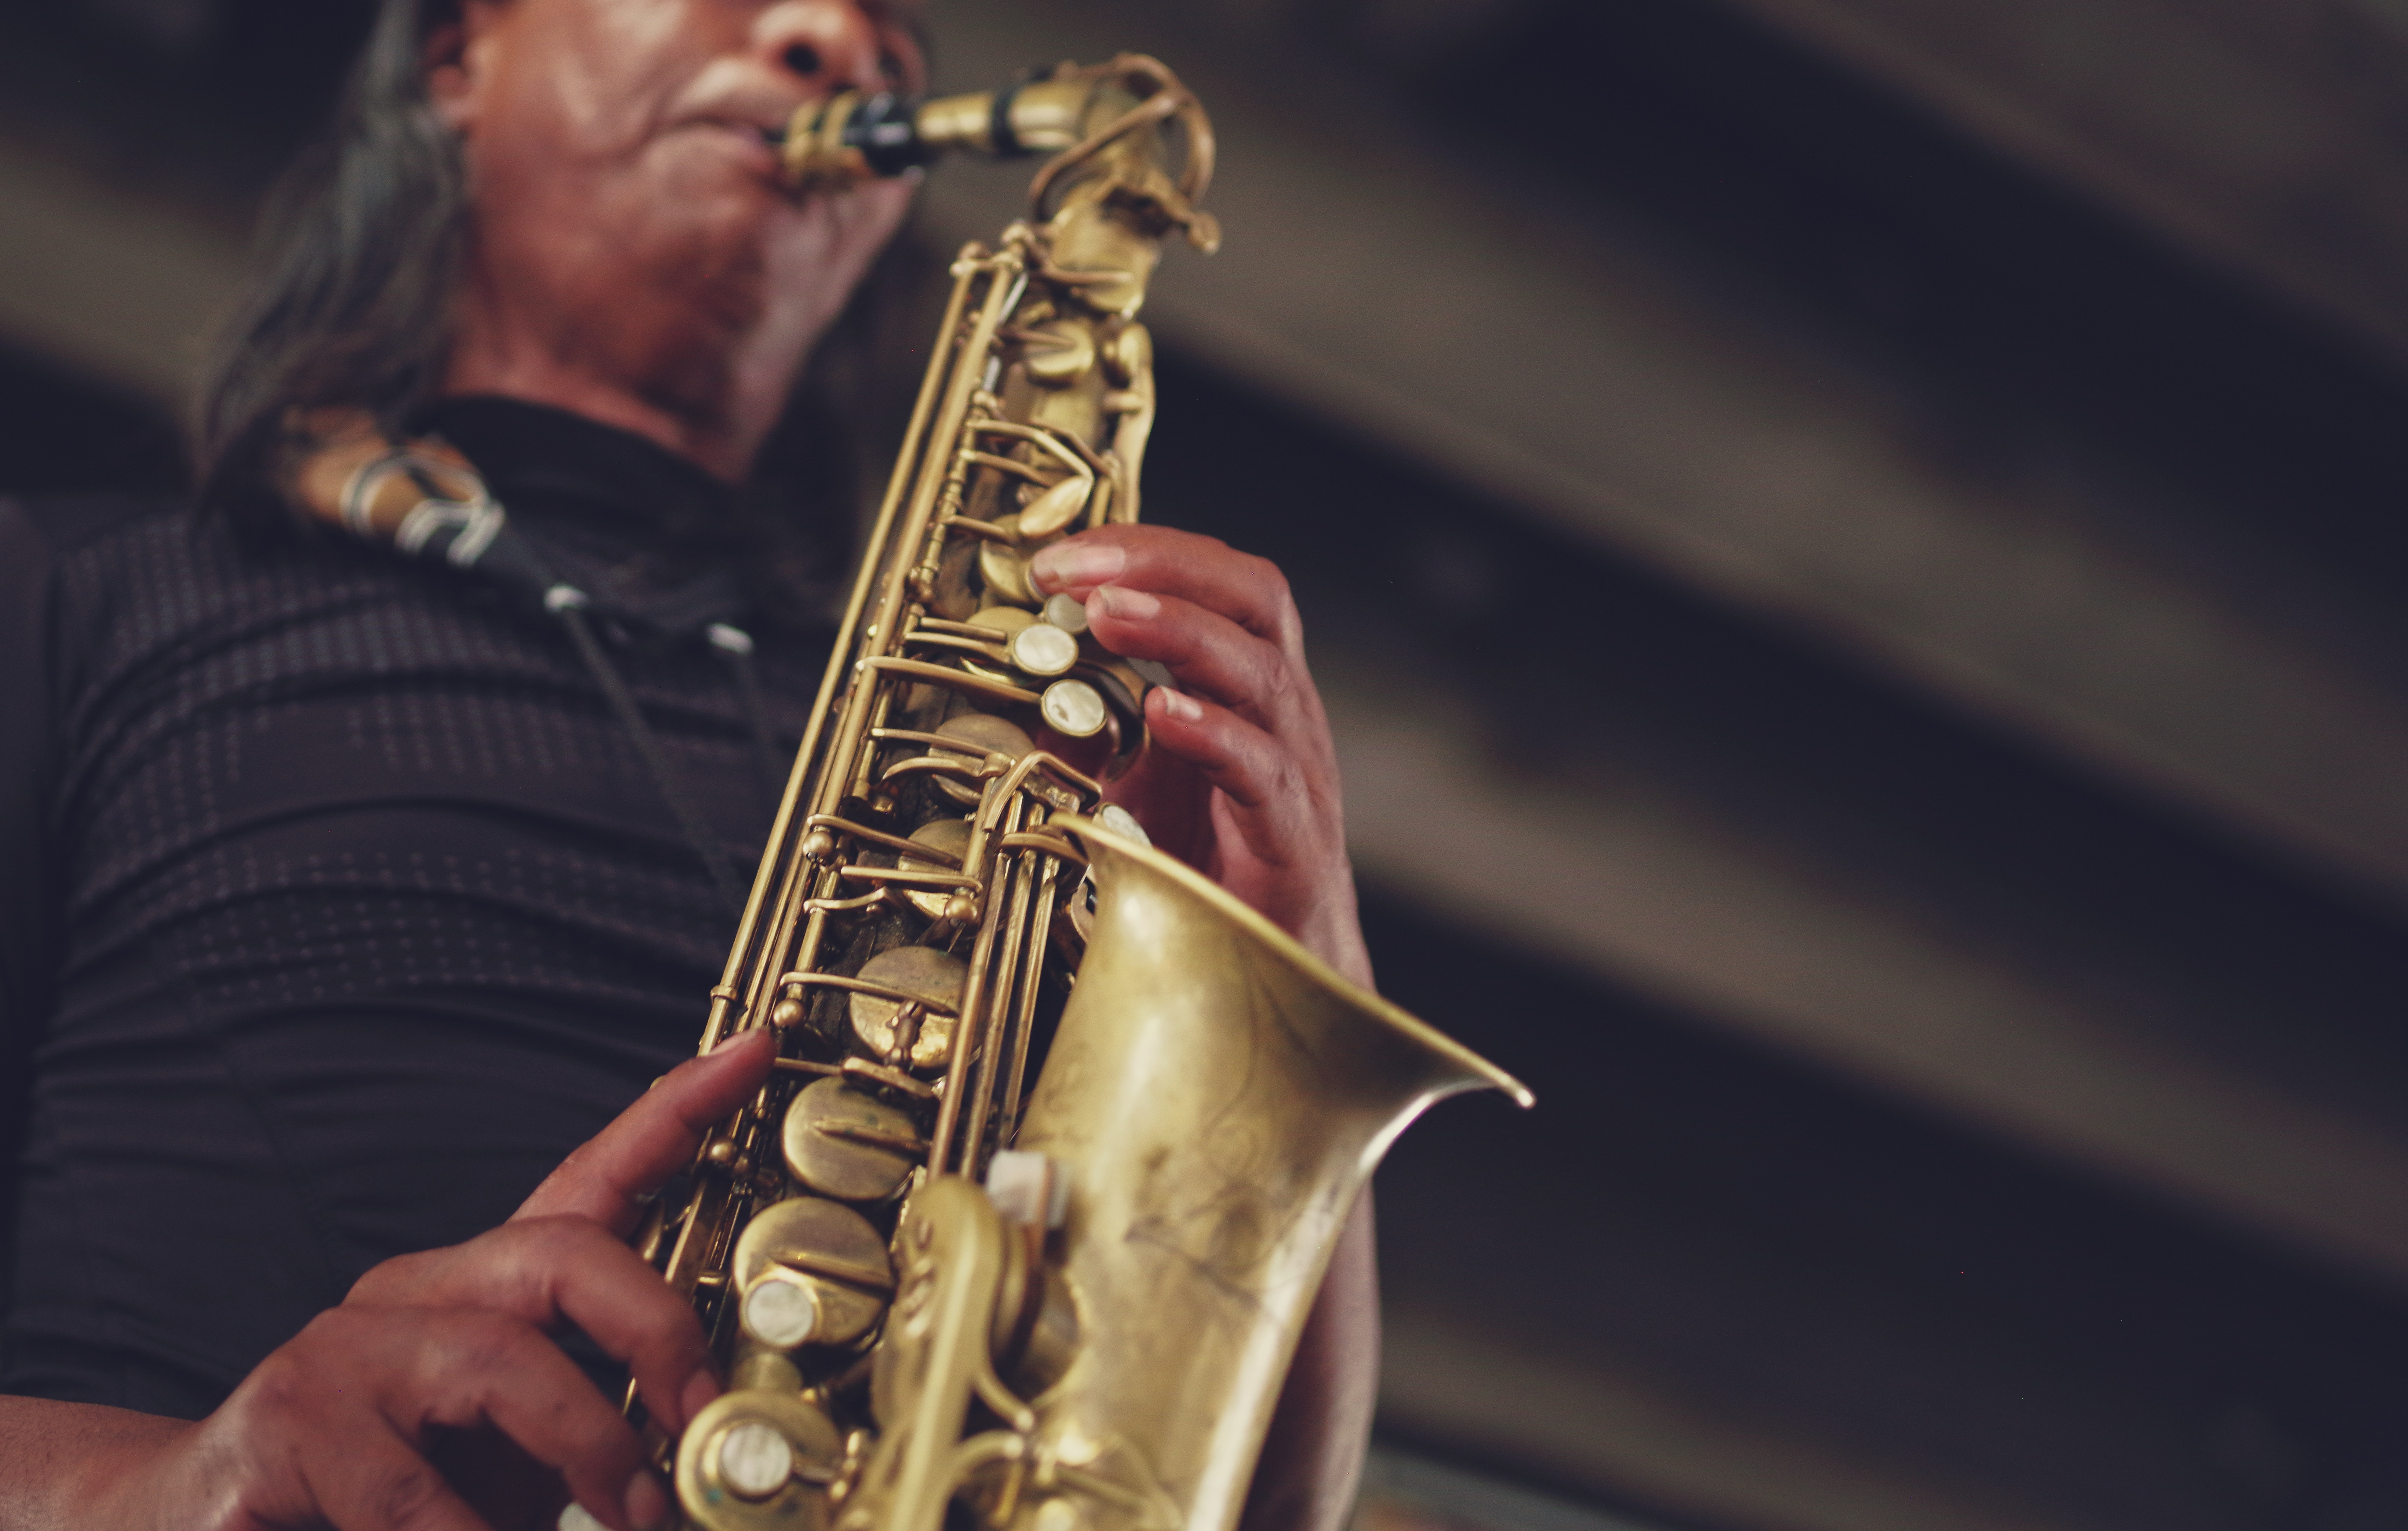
(1218, 1097)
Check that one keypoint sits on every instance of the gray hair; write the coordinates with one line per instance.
(350, 304)
(350, 307)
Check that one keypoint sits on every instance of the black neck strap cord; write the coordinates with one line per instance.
(734, 646)
(567, 602)
(447, 513)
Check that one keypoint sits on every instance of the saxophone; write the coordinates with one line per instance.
(1022, 1228)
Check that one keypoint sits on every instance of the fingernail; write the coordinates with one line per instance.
(1068, 564)
(648, 1503)
(1178, 704)
(734, 1038)
(1125, 604)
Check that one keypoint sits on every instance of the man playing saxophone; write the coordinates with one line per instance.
(362, 890)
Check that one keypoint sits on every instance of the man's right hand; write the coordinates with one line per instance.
(336, 1427)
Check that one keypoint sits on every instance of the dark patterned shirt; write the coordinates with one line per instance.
(339, 906)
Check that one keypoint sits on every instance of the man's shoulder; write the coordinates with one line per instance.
(162, 556)
(116, 578)
(44, 536)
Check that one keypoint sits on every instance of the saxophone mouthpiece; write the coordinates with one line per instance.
(853, 136)
(1087, 120)
(850, 137)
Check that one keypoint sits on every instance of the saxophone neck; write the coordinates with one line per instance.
(1100, 124)
(852, 136)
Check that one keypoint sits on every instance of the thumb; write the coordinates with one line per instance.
(610, 1177)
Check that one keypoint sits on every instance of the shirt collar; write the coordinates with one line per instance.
(648, 535)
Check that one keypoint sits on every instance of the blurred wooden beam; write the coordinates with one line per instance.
(1406, 1491)
(1650, 889)
(119, 288)
(1389, 288)
(1624, 1433)
(2269, 138)
(1725, 1288)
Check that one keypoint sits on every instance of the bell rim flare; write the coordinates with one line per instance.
(1486, 1075)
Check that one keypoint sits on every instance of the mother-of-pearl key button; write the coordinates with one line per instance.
(754, 1460)
(781, 1313)
(1121, 821)
(1042, 648)
(1068, 612)
(1072, 707)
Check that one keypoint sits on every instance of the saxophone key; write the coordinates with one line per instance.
(1119, 820)
(1004, 621)
(755, 1459)
(1053, 508)
(982, 735)
(1027, 1188)
(950, 839)
(1041, 649)
(1068, 612)
(1005, 568)
(1074, 709)
(917, 1033)
(809, 1272)
(779, 1311)
(823, 1135)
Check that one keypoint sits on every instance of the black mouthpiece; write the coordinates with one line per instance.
(883, 129)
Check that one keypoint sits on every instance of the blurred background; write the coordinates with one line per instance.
(1856, 551)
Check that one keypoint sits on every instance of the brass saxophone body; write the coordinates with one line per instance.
(1022, 1231)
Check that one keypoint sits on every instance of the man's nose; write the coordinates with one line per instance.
(830, 43)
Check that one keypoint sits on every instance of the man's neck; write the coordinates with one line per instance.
(714, 450)
(696, 401)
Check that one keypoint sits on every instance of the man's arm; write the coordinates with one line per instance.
(69, 1466)
(53, 1456)
(335, 1428)
(1312, 1457)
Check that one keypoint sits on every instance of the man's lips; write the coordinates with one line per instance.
(771, 129)
(758, 145)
